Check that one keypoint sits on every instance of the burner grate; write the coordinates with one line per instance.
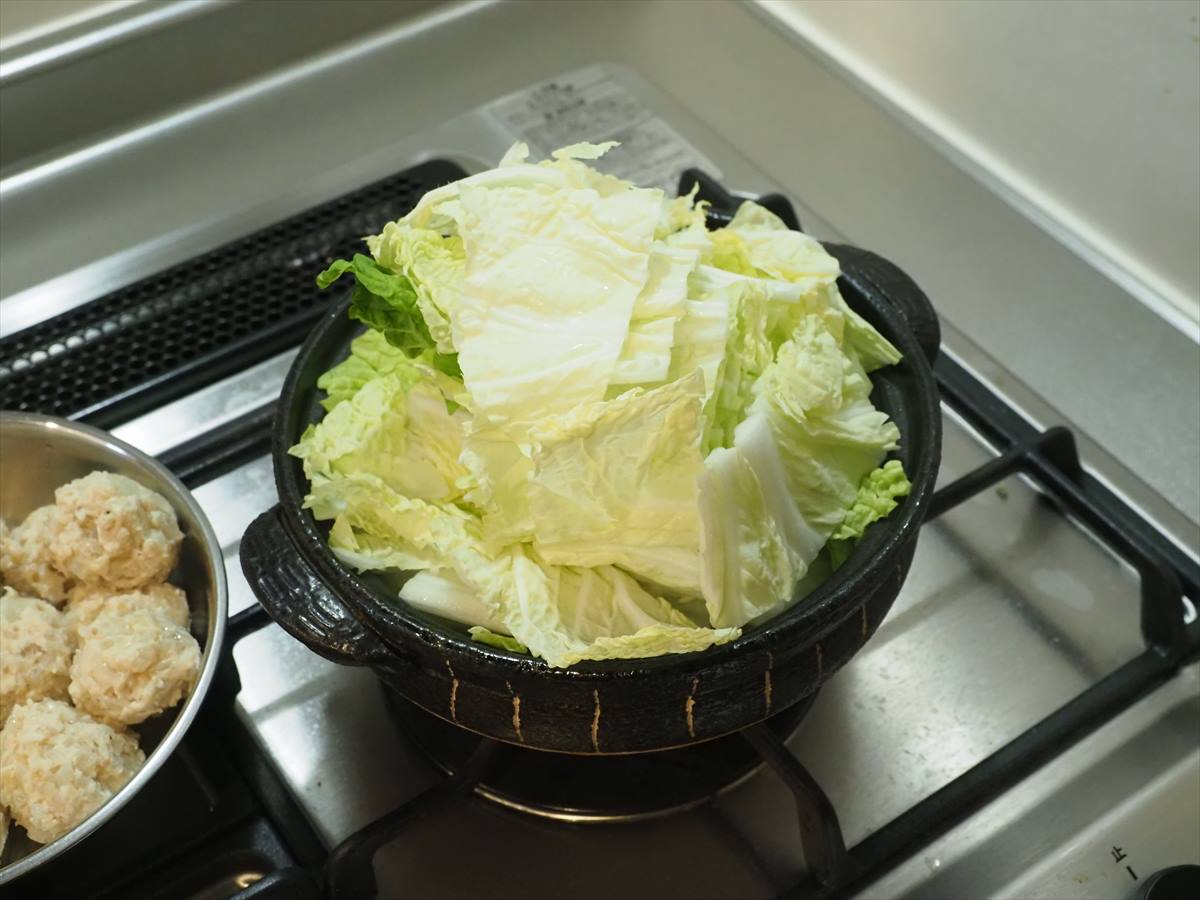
(583, 789)
(1048, 457)
(835, 871)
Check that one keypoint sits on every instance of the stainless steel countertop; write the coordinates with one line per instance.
(1084, 116)
(316, 125)
(886, 731)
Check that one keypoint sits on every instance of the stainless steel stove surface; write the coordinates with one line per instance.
(953, 748)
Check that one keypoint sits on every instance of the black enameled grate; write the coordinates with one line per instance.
(145, 344)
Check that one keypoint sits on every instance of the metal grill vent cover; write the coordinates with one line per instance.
(145, 344)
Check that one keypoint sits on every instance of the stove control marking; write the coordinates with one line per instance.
(596, 721)
(767, 680)
(689, 707)
(1119, 854)
(453, 693)
(516, 718)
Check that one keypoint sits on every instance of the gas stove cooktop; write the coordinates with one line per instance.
(1023, 724)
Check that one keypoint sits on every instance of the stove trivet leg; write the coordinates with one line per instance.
(1052, 459)
(350, 872)
(820, 833)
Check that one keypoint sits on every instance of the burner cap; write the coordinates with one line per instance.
(594, 788)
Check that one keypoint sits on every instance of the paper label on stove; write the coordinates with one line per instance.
(591, 105)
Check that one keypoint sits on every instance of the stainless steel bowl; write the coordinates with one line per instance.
(39, 453)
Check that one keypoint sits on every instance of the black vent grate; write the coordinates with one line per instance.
(157, 339)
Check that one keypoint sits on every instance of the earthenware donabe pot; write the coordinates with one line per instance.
(617, 706)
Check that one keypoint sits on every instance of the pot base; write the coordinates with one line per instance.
(594, 788)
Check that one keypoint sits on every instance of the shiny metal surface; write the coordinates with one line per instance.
(88, 73)
(1092, 823)
(313, 128)
(1009, 610)
(1044, 140)
(328, 732)
(212, 406)
(48, 452)
(89, 31)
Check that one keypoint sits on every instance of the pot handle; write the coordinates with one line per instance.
(875, 277)
(295, 596)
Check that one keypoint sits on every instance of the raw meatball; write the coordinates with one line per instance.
(133, 665)
(58, 765)
(115, 532)
(27, 560)
(86, 603)
(35, 651)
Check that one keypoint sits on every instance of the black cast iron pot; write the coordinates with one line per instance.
(615, 706)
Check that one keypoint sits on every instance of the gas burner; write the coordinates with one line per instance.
(571, 788)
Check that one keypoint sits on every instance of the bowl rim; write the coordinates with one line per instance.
(218, 615)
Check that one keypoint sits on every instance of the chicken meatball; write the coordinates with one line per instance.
(35, 651)
(59, 765)
(85, 604)
(132, 665)
(27, 560)
(114, 532)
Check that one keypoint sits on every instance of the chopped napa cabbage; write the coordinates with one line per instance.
(765, 243)
(435, 266)
(829, 436)
(396, 430)
(645, 357)
(874, 351)
(666, 289)
(368, 553)
(568, 614)
(495, 639)
(615, 481)
(778, 252)
(646, 354)
(877, 497)
(589, 428)
(371, 520)
(371, 356)
(550, 287)
(444, 594)
(731, 253)
(748, 565)
(770, 503)
(683, 214)
(564, 614)
(700, 342)
(387, 302)
(746, 354)
(500, 470)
